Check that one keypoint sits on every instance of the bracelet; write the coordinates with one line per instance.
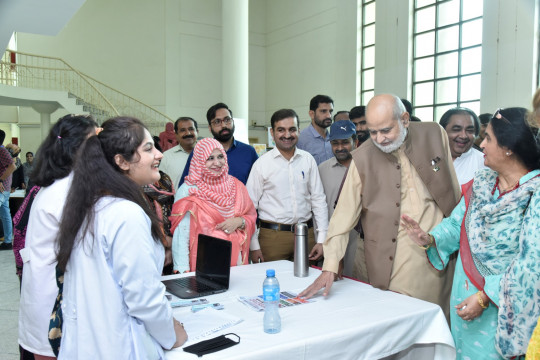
(243, 226)
(480, 301)
(425, 247)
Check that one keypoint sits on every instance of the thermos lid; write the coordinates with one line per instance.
(301, 229)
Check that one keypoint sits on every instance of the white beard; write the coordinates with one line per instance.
(397, 143)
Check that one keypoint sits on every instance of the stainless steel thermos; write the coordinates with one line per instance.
(301, 262)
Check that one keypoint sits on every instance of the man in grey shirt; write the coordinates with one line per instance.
(332, 171)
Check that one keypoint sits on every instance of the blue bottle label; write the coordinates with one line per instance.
(270, 294)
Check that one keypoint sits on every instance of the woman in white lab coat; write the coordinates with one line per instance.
(109, 247)
(54, 162)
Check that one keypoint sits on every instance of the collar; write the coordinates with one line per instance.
(178, 148)
(334, 162)
(314, 132)
(233, 145)
(276, 153)
(465, 154)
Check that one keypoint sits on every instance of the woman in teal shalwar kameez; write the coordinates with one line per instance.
(496, 228)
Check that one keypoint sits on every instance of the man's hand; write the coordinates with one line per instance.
(416, 234)
(257, 256)
(317, 252)
(325, 280)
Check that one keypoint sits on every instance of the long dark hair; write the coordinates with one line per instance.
(56, 155)
(513, 132)
(96, 175)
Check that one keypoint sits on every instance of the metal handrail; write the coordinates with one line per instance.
(52, 73)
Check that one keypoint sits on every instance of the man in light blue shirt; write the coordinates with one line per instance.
(314, 138)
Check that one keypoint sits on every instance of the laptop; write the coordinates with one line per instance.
(212, 272)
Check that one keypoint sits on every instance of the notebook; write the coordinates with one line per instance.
(205, 323)
(212, 271)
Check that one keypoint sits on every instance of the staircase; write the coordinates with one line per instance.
(22, 70)
(98, 114)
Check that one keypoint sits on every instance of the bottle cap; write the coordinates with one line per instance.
(271, 272)
(301, 229)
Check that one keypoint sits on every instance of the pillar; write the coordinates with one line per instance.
(45, 110)
(235, 63)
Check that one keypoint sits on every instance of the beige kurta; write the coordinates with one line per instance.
(411, 272)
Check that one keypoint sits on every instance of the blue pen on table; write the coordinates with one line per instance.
(216, 306)
(184, 303)
(303, 175)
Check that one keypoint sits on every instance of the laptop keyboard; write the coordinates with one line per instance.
(193, 284)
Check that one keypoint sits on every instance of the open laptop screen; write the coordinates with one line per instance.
(212, 262)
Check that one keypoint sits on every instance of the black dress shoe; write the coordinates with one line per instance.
(6, 246)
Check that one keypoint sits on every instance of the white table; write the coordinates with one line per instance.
(355, 321)
(19, 194)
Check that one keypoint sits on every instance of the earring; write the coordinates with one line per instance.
(507, 153)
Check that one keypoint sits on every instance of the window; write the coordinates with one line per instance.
(447, 56)
(367, 56)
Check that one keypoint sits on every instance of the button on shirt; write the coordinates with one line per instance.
(240, 157)
(173, 163)
(312, 142)
(288, 191)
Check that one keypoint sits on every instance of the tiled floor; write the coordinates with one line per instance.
(9, 307)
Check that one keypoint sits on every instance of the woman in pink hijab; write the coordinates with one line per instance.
(167, 138)
(211, 202)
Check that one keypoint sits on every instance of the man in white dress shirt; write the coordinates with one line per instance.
(286, 189)
(175, 159)
(462, 127)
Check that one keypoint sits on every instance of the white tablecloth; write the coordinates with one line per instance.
(355, 321)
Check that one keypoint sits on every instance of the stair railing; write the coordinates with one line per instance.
(51, 73)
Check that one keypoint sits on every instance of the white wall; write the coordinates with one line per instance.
(510, 53)
(167, 53)
(311, 49)
(120, 43)
(393, 63)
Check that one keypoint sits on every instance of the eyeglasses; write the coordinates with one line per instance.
(499, 116)
(226, 120)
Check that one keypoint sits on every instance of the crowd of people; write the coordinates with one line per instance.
(447, 213)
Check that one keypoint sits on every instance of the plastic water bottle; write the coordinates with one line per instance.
(272, 320)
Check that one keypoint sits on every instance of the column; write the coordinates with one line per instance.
(45, 110)
(235, 63)
(509, 53)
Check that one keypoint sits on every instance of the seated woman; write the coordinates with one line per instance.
(495, 227)
(109, 248)
(211, 202)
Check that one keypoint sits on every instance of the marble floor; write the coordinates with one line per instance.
(9, 307)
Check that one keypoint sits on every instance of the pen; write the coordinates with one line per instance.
(184, 303)
(216, 306)
(303, 175)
